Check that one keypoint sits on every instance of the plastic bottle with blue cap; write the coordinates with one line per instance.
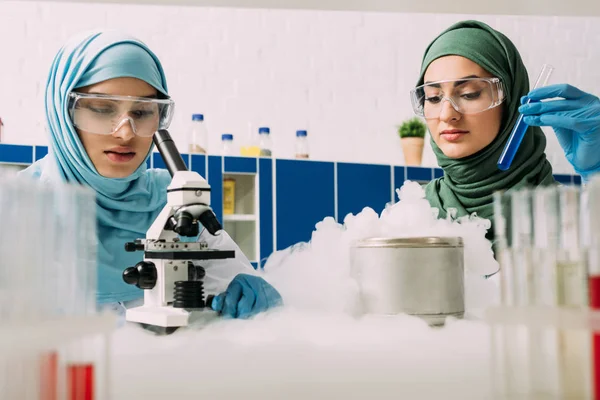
(198, 135)
(265, 144)
(301, 144)
(250, 144)
(227, 148)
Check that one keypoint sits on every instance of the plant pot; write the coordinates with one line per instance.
(412, 147)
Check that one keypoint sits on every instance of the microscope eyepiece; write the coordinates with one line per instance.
(209, 220)
(184, 224)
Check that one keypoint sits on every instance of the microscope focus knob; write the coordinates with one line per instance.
(143, 275)
(133, 246)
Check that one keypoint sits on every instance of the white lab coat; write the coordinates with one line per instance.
(219, 273)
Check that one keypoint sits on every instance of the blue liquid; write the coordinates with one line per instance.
(514, 141)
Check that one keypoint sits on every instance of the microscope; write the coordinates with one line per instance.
(172, 282)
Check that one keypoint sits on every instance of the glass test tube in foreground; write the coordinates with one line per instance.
(575, 345)
(518, 132)
(513, 228)
(592, 217)
(544, 342)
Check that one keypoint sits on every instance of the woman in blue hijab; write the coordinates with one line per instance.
(102, 96)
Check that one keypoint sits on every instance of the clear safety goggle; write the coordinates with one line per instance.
(467, 96)
(105, 114)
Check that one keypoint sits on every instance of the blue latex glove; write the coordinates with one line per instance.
(575, 119)
(246, 296)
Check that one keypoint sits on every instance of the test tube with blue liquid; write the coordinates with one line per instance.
(518, 132)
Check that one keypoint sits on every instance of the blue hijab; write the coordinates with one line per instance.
(126, 207)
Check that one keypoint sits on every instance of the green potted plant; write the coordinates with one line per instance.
(412, 137)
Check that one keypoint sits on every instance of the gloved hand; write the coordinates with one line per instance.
(575, 119)
(246, 296)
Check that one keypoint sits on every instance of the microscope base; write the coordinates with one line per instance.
(158, 316)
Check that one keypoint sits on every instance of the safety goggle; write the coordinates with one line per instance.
(467, 96)
(105, 114)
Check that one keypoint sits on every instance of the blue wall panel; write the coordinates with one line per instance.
(198, 163)
(215, 180)
(157, 161)
(399, 178)
(14, 153)
(265, 195)
(245, 165)
(419, 174)
(577, 179)
(40, 152)
(360, 186)
(304, 196)
(438, 173)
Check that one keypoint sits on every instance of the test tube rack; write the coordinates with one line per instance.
(545, 334)
(54, 345)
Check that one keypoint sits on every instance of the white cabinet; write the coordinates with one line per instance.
(242, 225)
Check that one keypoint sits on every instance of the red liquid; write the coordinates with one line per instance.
(80, 381)
(594, 289)
(49, 376)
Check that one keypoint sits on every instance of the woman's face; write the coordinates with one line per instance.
(460, 135)
(119, 154)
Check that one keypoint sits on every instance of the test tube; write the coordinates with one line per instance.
(500, 371)
(546, 230)
(572, 271)
(594, 288)
(502, 245)
(574, 345)
(518, 132)
(593, 235)
(521, 246)
(544, 341)
(510, 343)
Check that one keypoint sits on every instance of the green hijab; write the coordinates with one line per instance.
(469, 183)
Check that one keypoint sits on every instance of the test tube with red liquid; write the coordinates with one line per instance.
(80, 381)
(594, 289)
(49, 375)
(592, 204)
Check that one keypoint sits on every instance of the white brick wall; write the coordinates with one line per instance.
(343, 75)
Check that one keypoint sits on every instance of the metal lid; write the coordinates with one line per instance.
(428, 241)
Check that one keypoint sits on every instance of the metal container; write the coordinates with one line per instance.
(420, 276)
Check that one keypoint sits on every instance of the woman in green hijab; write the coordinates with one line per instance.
(480, 74)
(471, 85)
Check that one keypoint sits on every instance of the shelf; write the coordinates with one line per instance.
(8, 169)
(239, 217)
(245, 193)
(244, 235)
(243, 224)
